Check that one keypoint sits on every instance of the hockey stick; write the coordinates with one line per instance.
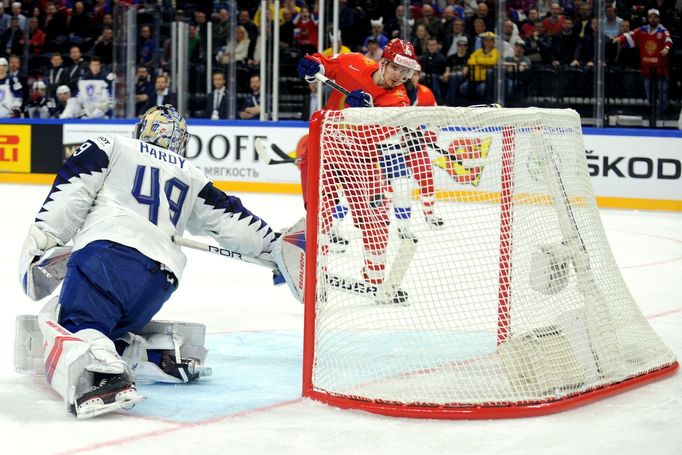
(265, 157)
(205, 247)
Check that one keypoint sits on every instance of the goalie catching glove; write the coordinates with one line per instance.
(42, 265)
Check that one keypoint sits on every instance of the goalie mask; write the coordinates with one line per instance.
(163, 126)
(401, 56)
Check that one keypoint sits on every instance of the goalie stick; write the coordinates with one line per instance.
(265, 157)
(182, 241)
(408, 131)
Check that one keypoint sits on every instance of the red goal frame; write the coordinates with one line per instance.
(493, 410)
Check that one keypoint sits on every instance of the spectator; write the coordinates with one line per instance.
(162, 94)
(10, 93)
(246, 22)
(195, 48)
(221, 27)
(626, 56)
(457, 73)
(143, 89)
(527, 26)
(429, 20)
(54, 26)
(454, 37)
(611, 25)
(377, 33)
(584, 52)
(286, 31)
(394, 26)
(290, 7)
(583, 23)
(251, 107)
(482, 12)
(516, 68)
(96, 72)
(539, 45)
(554, 24)
(216, 102)
(654, 44)
(511, 34)
(479, 30)
(241, 48)
(374, 52)
(37, 107)
(200, 24)
(445, 27)
(104, 46)
(13, 39)
(146, 47)
(65, 106)
(16, 12)
(79, 68)
(80, 24)
(57, 75)
(4, 19)
(341, 49)
(36, 38)
(305, 31)
(481, 63)
(433, 67)
(420, 39)
(564, 44)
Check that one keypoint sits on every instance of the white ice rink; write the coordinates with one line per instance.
(252, 404)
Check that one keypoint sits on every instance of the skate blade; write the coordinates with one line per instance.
(95, 407)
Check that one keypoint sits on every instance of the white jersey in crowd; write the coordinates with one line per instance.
(139, 195)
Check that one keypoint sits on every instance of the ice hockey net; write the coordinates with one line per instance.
(513, 307)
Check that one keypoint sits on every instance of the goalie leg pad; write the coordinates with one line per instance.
(289, 254)
(167, 351)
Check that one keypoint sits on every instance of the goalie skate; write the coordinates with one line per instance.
(111, 393)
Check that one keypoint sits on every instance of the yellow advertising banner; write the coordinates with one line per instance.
(15, 148)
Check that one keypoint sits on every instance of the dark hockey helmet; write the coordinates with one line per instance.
(165, 127)
(401, 53)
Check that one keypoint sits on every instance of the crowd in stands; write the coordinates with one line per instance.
(56, 56)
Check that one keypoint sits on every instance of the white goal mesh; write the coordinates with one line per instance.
(513, 300)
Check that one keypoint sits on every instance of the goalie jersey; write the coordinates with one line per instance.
(140, 195)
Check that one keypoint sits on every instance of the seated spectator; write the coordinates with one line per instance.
(80, 24)
(10, 92)
(429, 20)
(246, 22)
(527, 26)
(450, 47)
(374, 52)
(377, 34)
(420, 39)
(96, 72)
(221, 27)
(78, 70)
(516, 68)
(37, 107)
(4, 19)
(54, 26)
(305, 31)
(16, 12)
(341, 49)
(511, 34)
(143, 90)
(481, 64)
(250, 109)
(12, 41)
(554, 23)
(456, 74)
(445, 23)
(162, 94)
(433, 68)
(64, 106)
(241, 48)
(146, 47)
(475, 42)
(216, 102)
(104, 46)
(539, 45)
(36, 37)
(394, 26)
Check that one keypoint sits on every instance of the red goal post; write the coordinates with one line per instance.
(514, 307)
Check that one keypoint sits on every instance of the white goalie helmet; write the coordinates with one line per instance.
(163, 126)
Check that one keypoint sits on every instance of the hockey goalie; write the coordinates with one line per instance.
(121, 201)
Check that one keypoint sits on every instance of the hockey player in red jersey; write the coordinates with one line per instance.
(370, 84)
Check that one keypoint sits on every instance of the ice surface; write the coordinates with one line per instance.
(252, 404)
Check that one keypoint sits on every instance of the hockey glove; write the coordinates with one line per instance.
(42, 264)
(358, 98)
(308, 67)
